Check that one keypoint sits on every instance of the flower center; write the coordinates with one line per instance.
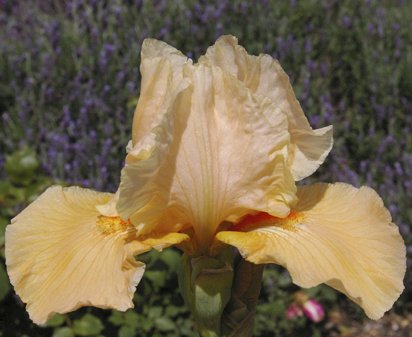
(112, 224)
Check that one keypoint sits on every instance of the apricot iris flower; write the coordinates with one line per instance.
(216, 149)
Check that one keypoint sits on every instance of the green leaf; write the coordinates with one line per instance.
(317, 334)
(88, 325)
(147, 325)
(329, 294)
(21, 166)
(173, 310)
(132, 319)
(131, 103)
(164, 324)
(284, 280)
(4, 283)
(405, 78)
(117, 318)
(313, 292)
(278, 308)
(56, 320)
(127, 331)
(158, 278)
(63, 332)
(154, 311)
(14, 196)
(171, 258)
(3, 224)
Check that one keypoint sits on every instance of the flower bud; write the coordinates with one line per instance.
(239, 315)
(205, 283)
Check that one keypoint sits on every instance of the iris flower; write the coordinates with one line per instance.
(216, 149)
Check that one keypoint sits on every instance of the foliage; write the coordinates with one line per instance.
(69, 83)
(24, 183)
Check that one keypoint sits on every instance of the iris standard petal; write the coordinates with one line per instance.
(264, 76)
(59, 257)
(145, 179)
(213, 150)
(161, 69)
(231, 152)
(338, 235)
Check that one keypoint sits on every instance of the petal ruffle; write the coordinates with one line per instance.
(338, 235)
(264, 76)
(161, 70)
(59, 260)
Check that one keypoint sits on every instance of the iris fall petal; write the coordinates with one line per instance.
(338, 235)
(59, 260)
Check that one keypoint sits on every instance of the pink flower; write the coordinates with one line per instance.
(294, 311)
(313, 310)
(303, 305)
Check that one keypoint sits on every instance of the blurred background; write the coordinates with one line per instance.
(69, 82)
